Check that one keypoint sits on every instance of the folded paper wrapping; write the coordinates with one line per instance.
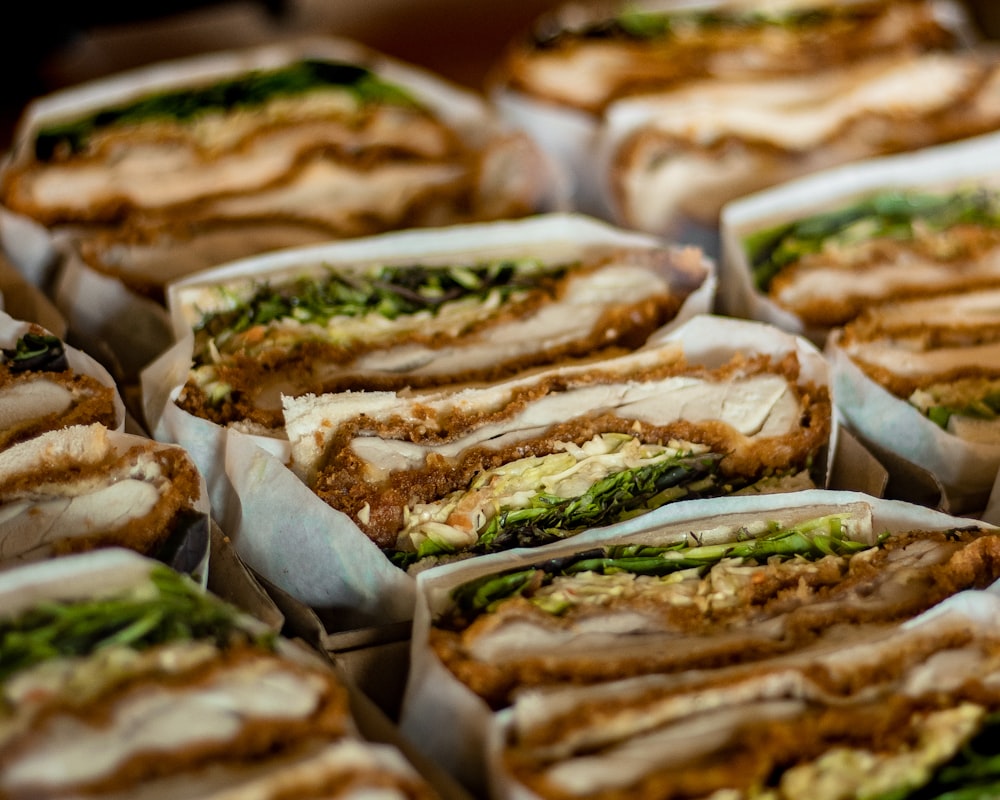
(125, 330)
(959, 165)
(322, 557)
(681, 157)
(294, 540)
(89, 265)
(662, 724)
(452, 725)
(31, 248)
(273, 717)
(565, 236)
(32, 402)
(87, 487)
(538, 87)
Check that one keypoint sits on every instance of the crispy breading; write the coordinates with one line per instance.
(776, 609)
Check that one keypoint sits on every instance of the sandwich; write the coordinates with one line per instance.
(681, 156)
(40, 391)
(480, 307)
(690, 598)
(229, 154)
(230, 142)
(912, 715)
(892, 245)
(637, 48)
(533, 460)
(121, 678)
(86, 487)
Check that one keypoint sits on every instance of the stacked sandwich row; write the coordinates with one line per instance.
(532, 437)
(567, 378)
(121, 674)
(116, 187)
(133, 181)
(664, 112)
(891, 264)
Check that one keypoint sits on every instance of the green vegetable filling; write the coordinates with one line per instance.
(176, 611)
(35, 351)
(612, 499)
(617, 497)
(247, 91)
(890, 215)
(810, 540)
(390, 292)
(971, 397)
(636, 24)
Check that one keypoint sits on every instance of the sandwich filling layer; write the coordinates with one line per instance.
(392, 327)
(638, 609)
(72, 490)
(827, 268)
(39, 392)
(939, 353)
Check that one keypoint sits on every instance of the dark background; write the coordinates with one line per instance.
(53, 45)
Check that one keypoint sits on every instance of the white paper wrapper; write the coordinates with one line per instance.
(125, 330)
(97, 574)
(978, 611)
(30, 247)
(12, 329)
(24, 301)
(69, 446)
(940, 167)
(453, 726)
(304, 547)
(164, 378)
(964, 471)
